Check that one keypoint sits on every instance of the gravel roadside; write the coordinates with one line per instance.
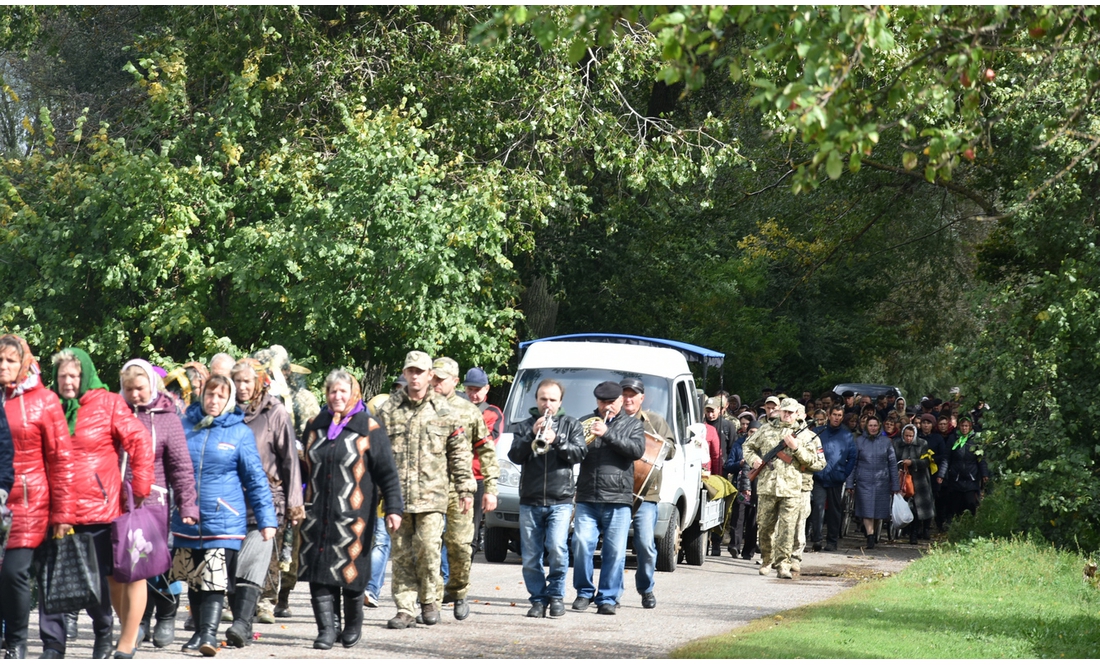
(692, 602)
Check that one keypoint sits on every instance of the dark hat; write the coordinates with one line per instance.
(755, 424)
(608, 391)
(401, 381)
(928, 418)
(892, 393)
(476, 378)
(847, 393)
(634, 384)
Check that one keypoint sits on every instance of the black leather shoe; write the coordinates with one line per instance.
(462, 609)
(830, 547)
(537, 611)
(818, 546)
(51, 654)
(15, 652)
(71, 630)
(649, 601)
(581, 603)
(102, 648)
(557, 607)
(870, 542)
(607, 608)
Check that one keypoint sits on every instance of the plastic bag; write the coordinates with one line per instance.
(900, 511)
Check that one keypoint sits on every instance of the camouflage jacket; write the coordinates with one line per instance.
(478, 433)
(431, 450)
(780, 478)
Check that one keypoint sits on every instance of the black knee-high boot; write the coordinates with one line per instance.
(324, 613)
(353, 620)
(244, 609)
(166, 605)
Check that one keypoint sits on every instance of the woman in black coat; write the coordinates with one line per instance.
(966, 474)
(350, 464)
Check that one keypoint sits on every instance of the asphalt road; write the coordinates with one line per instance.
(692, 602)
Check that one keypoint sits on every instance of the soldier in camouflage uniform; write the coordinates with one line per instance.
(779, 485)
(459, 532)
(804, 506)
(433, 454)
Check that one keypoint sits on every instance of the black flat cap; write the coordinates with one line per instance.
(634, 384)
(608, 391)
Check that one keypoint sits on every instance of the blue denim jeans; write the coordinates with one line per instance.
(644, 522)
(612, 520)
(379, 555)
(544, 534)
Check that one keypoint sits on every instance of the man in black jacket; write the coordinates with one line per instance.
(727, 434)
(604, 494)
(546, 496)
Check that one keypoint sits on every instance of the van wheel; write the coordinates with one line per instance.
(496, 544)
(668, 545)
(695, 545)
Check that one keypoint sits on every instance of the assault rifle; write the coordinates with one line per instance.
(773, 453)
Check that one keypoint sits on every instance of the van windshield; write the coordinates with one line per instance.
(579, 384)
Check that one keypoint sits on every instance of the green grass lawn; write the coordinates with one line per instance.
(984, 599)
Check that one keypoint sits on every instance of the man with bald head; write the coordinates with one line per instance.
(222, 364)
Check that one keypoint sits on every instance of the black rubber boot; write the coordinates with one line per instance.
(210, 614)
(244, 609)
(353, 621)
(194, 598)
(165, 631)
(323, 612)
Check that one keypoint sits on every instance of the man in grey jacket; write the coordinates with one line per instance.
(604, 494)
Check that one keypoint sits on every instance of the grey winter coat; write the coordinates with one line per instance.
(875, 477)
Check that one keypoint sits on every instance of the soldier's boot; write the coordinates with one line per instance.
(785, 572)
(765, 568)
(429, 612)
(244, 608)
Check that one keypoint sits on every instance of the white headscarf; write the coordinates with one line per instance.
(230, 403)
(149, 373)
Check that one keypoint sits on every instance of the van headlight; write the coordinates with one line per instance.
(509, 474)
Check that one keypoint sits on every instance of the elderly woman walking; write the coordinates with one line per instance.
(228, 472)
(350, 465)
(102, 427)
(156, 410)
(874, 478)
(258, 561)
(914, 454)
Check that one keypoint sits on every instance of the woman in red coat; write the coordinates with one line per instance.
(38, 500)
(102, 426)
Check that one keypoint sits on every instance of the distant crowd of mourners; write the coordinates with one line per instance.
(874, 447)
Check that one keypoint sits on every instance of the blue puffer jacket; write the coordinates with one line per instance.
(227, 469)
(840, 455)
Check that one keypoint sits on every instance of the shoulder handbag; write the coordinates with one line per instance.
(69, 579)
(139, 537)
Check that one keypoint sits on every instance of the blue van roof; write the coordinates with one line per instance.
(691, 352)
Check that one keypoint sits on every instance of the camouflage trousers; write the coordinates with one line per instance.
(457, 536)
(273, 581)
(415, 551)
(800, 531)
(777, 519)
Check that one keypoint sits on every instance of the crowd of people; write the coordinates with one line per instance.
(869, 445)
(269, 487)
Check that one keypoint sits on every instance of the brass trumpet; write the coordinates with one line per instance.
(540, 446)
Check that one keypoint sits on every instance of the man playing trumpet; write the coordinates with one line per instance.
(546, 446)
(605, 491)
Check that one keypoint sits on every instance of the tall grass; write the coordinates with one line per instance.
(983, 599)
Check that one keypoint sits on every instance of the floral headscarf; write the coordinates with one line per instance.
(29, 371)
(263, 383)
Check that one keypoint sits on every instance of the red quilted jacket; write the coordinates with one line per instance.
(105, 426)
(41, 439)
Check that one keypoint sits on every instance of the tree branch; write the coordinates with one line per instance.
(940, 182)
